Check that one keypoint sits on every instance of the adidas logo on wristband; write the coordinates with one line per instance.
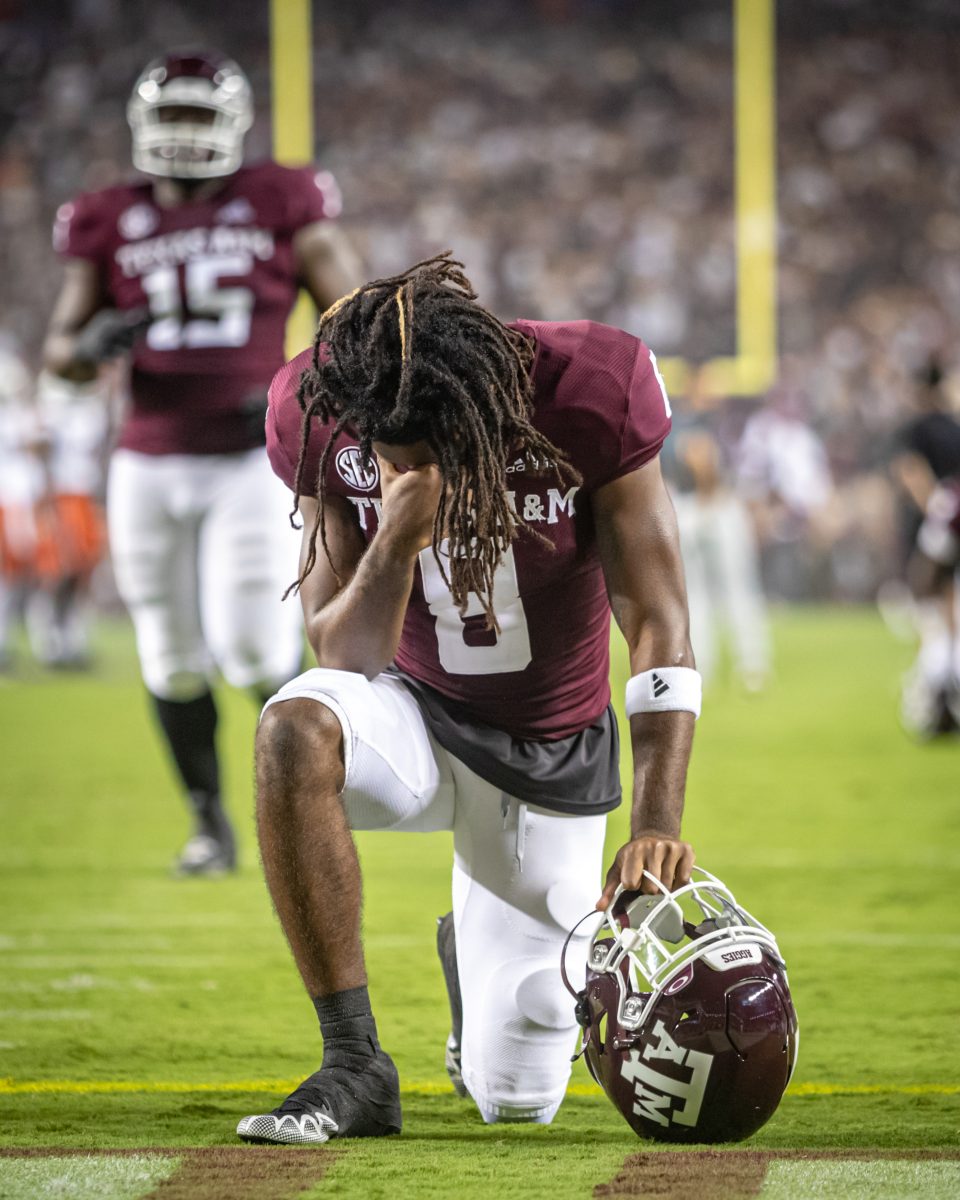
(665, 689)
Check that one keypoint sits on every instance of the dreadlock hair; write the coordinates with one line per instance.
(414, 358)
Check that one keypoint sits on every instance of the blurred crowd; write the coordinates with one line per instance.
(578, 155)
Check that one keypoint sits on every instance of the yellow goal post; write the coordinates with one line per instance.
(751, 369)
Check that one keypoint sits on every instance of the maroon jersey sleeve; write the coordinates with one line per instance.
(599, 397)
(635, 416)
(647, 416)
(284, 420)
(81, 228)
(312, 195)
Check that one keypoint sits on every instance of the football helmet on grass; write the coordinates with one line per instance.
(688, 1023)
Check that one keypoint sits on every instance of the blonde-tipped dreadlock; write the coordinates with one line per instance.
(414, 358)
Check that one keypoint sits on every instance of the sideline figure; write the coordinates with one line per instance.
(930, 703)
(196, 269)
(485, 494)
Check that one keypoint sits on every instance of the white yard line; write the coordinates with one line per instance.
(87, 1177)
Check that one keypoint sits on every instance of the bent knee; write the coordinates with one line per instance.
(298, 738)
(517, 1043)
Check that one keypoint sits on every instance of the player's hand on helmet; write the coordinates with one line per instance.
(110, 332)
(666, 858)
(410, 499)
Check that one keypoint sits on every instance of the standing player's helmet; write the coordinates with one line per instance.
(688, 1024)
(188, 113)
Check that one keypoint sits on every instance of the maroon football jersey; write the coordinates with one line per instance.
(599, 398)
(219, 278)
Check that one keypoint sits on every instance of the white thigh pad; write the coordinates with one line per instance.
(539, 1000)
(396, 776)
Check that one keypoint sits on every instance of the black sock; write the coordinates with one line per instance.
(348, 1028)
(190, 727)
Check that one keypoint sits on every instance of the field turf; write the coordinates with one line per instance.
(140, 1017)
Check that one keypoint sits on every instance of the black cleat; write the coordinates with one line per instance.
(206, 855)
(447, 949)
(334, 1102)
(927, 711)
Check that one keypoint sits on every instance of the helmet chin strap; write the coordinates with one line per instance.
(581, 1010)
(563, 957)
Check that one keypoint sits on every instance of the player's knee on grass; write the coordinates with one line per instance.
(516, 1065)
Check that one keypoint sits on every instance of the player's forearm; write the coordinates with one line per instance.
(662, 742)
(359, 630)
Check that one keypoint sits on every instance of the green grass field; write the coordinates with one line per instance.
(146, 1015)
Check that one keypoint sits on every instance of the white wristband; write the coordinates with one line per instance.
(665, 689)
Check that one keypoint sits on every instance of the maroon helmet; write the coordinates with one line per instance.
(688, 1022)
(188, 113)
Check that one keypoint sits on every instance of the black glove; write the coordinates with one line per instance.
(109, 333)
(253, 413)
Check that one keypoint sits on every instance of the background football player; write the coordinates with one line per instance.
(73, 422)
(21, 485)
(718, 540)
(930, 699)
(457, 589)
(196, 270)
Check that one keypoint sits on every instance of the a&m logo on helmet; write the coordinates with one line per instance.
(662, 1097)
(356, 471)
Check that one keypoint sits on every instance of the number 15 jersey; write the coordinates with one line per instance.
(219, 278)
(599, 398)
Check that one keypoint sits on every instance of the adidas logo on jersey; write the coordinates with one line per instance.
(537, 465)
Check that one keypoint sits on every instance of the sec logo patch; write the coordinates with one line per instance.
(356, 471)
(136, 222)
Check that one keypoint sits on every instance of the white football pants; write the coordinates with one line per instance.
(522, 878)
(202, 551)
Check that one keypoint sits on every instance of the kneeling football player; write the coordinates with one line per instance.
(485, 495)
